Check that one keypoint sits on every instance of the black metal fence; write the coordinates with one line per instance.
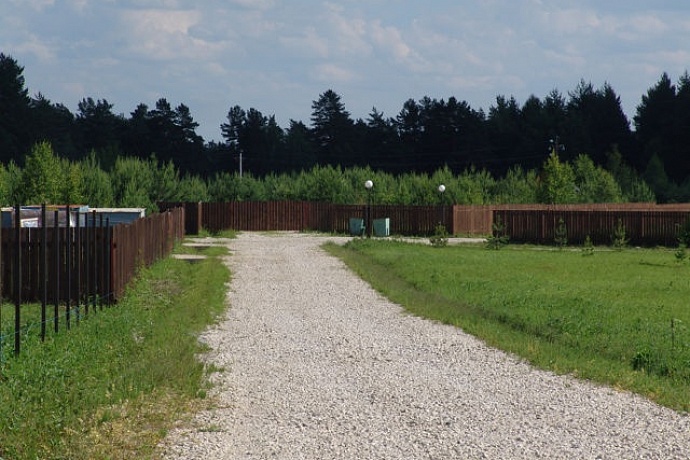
(71, 267)
(64, 268)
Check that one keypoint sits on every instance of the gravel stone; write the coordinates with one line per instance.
(317, 365)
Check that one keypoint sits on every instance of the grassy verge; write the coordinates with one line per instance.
(113, 385)
(616, 317)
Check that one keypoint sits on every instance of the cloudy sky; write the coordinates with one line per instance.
(278, 56)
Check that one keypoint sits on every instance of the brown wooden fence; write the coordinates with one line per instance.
(264, 215)
(472, 220)
(74, 269)
(80, 260)
(141, 243)
(309, 216)
(192, 214)
(645, 223)
(404, 220)
(644, 228)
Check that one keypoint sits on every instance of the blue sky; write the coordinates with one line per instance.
(278, 56)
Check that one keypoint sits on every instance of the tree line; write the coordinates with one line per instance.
(134, 182)
(427, 135)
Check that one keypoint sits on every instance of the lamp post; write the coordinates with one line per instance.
(367, 215)
(441, 189)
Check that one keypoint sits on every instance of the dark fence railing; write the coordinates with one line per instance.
(70, 270)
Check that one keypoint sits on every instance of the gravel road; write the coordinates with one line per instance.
(320, 366)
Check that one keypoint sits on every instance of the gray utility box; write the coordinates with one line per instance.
(382, 227)
(356, 226)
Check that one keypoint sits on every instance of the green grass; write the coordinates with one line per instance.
(205, 233)
(113, 385)
(618, 317)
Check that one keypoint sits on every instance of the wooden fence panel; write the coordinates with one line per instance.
(192, 214)
(472, 220)
(645, 223)
(644, 228)
(114, 255)
(324, 217)
(56, 263)
(141, 243)
(264, 216)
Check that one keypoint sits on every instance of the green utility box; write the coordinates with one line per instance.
(356, 226)
(382, 227)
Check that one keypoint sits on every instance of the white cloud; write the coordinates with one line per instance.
(573, 21)
(309, 43)
(333, 73)
(448, 52)
(348, 34)
(254, 4)
(79, 5)
(164, 35)
(215, 68)
(37, 5)
(33, 45)
(254, 24)
(648, 24)
(483, 82)
(674, 58)
(390, 39)
(162, 21)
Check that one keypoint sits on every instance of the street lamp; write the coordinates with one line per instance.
(367, 215)
(441, 189)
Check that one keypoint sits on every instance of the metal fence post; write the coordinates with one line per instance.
(17, 278)
(44, 270)
(56, 249)
(77, 266)
(68, 263)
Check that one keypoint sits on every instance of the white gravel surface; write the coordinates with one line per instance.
(320, 366)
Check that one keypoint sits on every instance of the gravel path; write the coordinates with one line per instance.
(319, 366)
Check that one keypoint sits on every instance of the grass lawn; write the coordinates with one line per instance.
(114, 384)
(617, 317)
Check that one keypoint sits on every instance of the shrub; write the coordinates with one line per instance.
(561, 234)
(499, 237)
(619, 238)
(440, 237)
(681, 253)
(588, 247)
